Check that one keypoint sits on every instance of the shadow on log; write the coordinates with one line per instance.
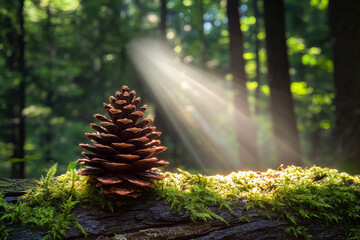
(147, 218)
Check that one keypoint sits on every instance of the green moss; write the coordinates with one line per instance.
(17, 185)
(48, 205)
(311, 194)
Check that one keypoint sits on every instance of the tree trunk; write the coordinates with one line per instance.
(281, 103)
(50, 79)
(203, 45)
(245, 128)
(18, 168)
(163, 16)
(146, 218)
(257, 58)
(344, 21)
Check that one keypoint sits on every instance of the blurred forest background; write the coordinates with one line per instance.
(299, 62)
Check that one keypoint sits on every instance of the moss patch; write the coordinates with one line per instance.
(314, 194)
(311, 194)
(18, 185)
(48, 205)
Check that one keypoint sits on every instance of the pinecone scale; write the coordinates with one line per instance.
(121, 156)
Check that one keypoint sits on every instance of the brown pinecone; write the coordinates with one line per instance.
(122, 155)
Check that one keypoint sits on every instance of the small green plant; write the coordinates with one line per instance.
(48, 205)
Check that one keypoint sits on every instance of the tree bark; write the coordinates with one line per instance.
(281, 103)
(18, 168)
(344, 21)
(147, 218)
(245, 129)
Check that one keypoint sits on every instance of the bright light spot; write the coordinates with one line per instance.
(207, 26)
(188, 59)
(251, 20)
(229, 77)
(244, 7)
(109, 57)
(320, 4)
(185, 85)
(251, 85)
(295, 44)
(29, 146)
(223, 3)
(36, 111)
(308, 59)
(292, 71)
(314, 51)
(244, 27)
(249, 56)
(261, 35)
(64, 5)
(187, 3)
(187, 27)
(325, 99)
(170, 35)
(224, 33)
(178, 49)
(265, 89)
(152, 17)
(299, 88)
(325, 124)
(211, 64)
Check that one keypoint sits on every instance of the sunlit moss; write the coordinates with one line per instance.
(311, 194)
(314, 194)
(47, 206)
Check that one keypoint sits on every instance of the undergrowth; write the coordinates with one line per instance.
(314, 194)
(48, 205)
(295, 193)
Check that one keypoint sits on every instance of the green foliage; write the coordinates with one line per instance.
(195, 197)
(314, 194)
(48, 205)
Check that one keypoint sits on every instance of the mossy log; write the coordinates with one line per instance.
(148, 218)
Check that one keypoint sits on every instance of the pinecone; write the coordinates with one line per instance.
(122, 158)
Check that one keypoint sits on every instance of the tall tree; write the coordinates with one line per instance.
(345, 20)
(245, 128)
(163, 16)
(257, 59)
(18, 168)
(281, 103)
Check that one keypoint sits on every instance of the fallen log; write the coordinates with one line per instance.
(148, 218)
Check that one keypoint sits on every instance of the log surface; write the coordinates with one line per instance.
(147, 218)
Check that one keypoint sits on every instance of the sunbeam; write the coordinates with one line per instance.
(198, 105)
